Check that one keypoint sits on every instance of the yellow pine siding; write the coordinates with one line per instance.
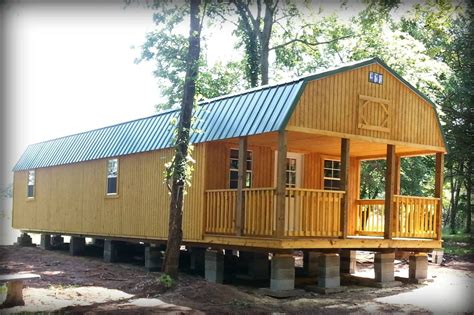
(332, 104)
(218, 164)
(72, 198)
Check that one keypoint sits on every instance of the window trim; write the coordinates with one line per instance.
(329, 158)
(116, 193)
(28, 184)
(230, 169)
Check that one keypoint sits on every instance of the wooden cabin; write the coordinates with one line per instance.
(277, 168)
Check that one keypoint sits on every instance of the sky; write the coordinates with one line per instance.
(70, 68)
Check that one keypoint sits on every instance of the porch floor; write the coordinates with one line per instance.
(352, 242)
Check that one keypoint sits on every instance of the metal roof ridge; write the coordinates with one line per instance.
(254, 89)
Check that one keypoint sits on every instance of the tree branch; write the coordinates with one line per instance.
(226, 19)
(308, 43)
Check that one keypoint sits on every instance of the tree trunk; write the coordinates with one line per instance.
(178, 177)
(469, 174)
(455, 199)
(265, 40)
(250, 25)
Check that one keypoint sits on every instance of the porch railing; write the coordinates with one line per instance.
(311, 212)
(308, 212)
(220, 211)
(413, 216)
(370, 216)
(416, 216)
(259, 211)
(316, 213)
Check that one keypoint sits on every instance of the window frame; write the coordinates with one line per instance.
(323, 175)
(33, 190)
(116, 193)
(231, 169)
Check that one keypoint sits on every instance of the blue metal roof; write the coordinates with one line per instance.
(255, 111)
(252, 112)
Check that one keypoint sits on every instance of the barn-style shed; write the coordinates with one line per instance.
(277, 168)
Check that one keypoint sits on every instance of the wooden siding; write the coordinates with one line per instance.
(71, 198)
(312, 175)
(218, 164)
(332, 104)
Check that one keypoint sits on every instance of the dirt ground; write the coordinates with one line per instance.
(88, 285)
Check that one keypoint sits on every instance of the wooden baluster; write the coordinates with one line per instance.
(268, 230)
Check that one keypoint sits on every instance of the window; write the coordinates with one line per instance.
(332, 177)
(234, 169)
(290, 173)
(112, 176)
(31, 184)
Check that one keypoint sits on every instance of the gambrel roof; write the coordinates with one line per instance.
(255, 111)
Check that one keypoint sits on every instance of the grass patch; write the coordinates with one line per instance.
(458, 244)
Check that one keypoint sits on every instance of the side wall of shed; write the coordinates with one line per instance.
(336, 106)
(72, 198)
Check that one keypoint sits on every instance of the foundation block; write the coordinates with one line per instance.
(329, 271)
(311, 263)
(418, 266)
(111, 250)
(153, 258)
(348, 261)
(45, 242)
(196, 259)
(24, 240)
(384, 267)
(77, 246)
(214, 266)
(57, 241)
(282, 272)
(437, 256)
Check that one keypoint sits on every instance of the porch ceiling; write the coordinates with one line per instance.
(305, 143)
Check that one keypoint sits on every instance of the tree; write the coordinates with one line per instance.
(178, 172)
(166, 46)
(272, 25)
(446, 30)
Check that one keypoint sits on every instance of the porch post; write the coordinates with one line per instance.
(281, 184)
(242, 176)
(396, 188)
(389, 191)
(345, 202)
(439, 192)
(396, 191)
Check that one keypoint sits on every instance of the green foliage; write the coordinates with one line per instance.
(446, 29)
(372, 179)
(167, 47)
(461, 244)
(166, 281)
(417, 176)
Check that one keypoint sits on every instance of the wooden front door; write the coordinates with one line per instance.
(294, 171)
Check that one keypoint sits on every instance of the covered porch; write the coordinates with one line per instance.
(291, 214)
